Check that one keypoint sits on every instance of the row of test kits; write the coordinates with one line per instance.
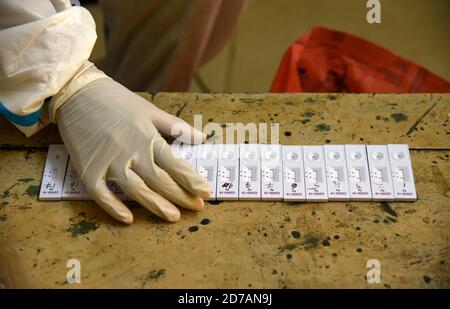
(271, 172)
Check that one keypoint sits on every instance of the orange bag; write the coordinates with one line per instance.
(325, 60)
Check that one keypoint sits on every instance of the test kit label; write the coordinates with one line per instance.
(228, 172)
(73, 189)
(207, 157)
(315, 182)
(358, 173)
(380, 173)
(54, 173)
(271, 172)
(336, 173)
(402, 173)
(249, 172)
(293, 173)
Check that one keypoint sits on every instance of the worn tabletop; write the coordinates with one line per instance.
(244, 244)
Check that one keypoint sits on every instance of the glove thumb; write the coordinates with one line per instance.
(170, 125)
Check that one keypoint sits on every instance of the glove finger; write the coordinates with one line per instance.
(178, 169)
(168, 124)
(134, 187)
(158, 179)
(107, 200)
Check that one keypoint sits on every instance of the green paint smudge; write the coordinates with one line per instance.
(311, 241)
(322, 127)
(302, 121)
(288, 247)
(180, 110)
(310, 100)
(82, 227)
(25, 180)
(331, 97)
(155, 274)
(32, 191)
(293, 204)
(308, 114)
(289, 103)
(399, 117)
(250, 100)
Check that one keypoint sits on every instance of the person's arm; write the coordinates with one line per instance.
(43, 45)
(110, 132)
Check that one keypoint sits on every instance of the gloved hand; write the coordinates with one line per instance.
(112, 134)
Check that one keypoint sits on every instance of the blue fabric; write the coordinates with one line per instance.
(21, 120)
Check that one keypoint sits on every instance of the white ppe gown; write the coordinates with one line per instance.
(44, 45)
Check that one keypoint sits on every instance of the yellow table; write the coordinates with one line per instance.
(244, 244)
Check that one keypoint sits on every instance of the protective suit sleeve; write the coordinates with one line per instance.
(44, 44)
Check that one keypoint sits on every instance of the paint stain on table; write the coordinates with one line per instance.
(82, 227)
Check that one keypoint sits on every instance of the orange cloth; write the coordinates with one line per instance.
(325, 60)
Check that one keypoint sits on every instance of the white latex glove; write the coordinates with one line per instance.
(112, 134)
